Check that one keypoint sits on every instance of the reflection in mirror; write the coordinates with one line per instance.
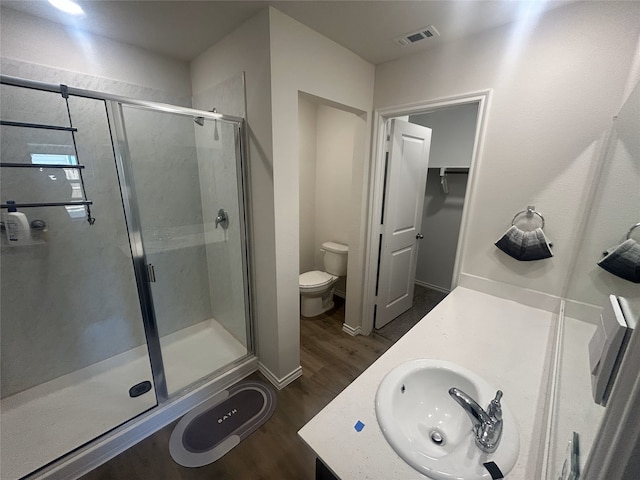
(613, 209)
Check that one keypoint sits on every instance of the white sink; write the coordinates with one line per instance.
(430, 431)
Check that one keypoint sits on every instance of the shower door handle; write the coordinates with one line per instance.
(151, 273)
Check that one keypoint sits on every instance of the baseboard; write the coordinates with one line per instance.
(103, 449)
(525, 296)
(279, 383)
(341, 294)
(432, 287)
(352, 331)
(582, 311)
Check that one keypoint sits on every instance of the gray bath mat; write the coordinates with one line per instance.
(213, 428)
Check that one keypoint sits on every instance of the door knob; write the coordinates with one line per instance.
(419, 236)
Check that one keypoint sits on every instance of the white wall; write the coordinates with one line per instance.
(38, 41)
(326, 146)
(556, 84)
(305, 61)
(336, 135)
(280, 58)
(246, 49)
(307, 120)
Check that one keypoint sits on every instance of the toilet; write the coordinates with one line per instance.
(316, 287)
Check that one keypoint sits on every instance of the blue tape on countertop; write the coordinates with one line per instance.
(358, 426)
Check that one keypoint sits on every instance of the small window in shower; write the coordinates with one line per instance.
(71, 174)
(53, 159)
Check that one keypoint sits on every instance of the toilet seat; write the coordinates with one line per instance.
(315, 278)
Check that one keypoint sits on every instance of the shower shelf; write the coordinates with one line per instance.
(37, 125)
(48, 204)
(84, 203)
(44, 204)
(38, 165)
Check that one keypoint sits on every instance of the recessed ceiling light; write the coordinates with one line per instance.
(67, 6)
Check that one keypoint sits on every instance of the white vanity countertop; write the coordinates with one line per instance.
(502, 341)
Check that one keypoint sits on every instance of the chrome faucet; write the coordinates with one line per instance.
(486, 425)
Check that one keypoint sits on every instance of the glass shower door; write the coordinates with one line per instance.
(74, 357)
(185, 178)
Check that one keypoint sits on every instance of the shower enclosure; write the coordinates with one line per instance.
(129, 287)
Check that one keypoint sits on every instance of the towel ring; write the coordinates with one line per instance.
(637, 225)
(530, 211)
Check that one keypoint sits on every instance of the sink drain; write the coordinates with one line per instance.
(437, 438)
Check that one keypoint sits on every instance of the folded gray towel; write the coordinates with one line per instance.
(623, 261)
(525, 246)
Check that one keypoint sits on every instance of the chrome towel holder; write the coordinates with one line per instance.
(633, 227)
(531, 211)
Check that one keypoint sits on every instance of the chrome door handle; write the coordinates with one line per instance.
(419, 236)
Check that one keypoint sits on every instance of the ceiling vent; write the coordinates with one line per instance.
(417, 36)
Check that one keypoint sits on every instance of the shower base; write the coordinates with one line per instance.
(45, 422)
(196, 352)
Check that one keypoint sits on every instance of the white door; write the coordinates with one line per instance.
(407, 163)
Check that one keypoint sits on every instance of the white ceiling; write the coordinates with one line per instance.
(183, 29)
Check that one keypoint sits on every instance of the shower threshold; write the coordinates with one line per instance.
(49, 420)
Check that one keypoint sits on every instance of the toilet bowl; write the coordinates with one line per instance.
(317, 287)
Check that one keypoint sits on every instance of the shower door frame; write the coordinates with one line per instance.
(130, 203)
(168, 408)
(113, 105)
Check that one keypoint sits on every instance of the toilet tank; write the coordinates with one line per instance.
(335, 258)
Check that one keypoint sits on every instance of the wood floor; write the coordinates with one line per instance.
(331, 360)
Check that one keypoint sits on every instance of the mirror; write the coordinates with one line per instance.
(612, 209)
